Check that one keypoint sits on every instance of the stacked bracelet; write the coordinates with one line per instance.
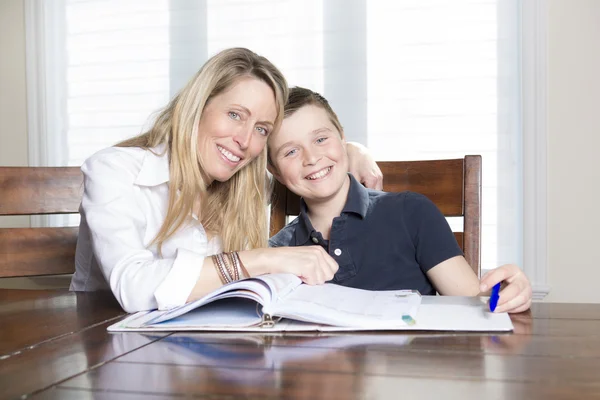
(240, 265)
(229, 266)
(223, 274)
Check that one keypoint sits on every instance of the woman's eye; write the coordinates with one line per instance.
(234, 115)
(262, 130)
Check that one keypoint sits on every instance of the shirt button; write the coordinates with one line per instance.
(337, 252)
(315, 240)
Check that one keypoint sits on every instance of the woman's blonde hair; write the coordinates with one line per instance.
(236, 210)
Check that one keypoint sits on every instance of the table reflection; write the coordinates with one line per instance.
(306, 365)
(516, 341)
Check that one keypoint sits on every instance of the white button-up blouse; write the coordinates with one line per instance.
(123, 207)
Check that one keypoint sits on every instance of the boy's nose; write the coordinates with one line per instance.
(311, 158)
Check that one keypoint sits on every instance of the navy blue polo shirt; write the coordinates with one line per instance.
(381, 241)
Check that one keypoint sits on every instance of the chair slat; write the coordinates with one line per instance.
(459, 239)
(278, 215)
(40, 190)
(37, 251)
(440, 180)
(472, 223)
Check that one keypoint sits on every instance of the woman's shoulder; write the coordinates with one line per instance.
(123, 159)
(115, 153)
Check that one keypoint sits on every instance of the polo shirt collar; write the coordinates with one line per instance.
(358, 198)
(155, 167)
(305, 228)
(357, 203)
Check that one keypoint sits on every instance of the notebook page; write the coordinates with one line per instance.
(280, 284)
(226, 313)
(342, 306)
(246, 288)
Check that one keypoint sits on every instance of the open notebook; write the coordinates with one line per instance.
(281, 302)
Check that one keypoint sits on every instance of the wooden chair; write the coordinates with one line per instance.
(38, 191)
(453, 185)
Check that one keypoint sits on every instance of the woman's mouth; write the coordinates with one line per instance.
(228, 155)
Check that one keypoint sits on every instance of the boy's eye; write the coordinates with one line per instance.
(290, 153)
(234, 115)
(321, 139)
(262, 130)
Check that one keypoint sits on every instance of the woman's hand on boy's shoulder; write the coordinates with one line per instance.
(362, 165)
(516, 294)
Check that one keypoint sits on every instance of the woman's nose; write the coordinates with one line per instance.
(243, 136)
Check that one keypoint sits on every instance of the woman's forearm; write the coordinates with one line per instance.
(311, 263)
(254, 261)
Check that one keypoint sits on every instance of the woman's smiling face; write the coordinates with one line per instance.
(234, 127)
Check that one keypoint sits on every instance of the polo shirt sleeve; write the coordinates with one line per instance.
(431, 235)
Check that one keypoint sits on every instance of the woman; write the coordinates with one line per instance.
(156, 206)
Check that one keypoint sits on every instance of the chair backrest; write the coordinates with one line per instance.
(38, 191)
(453, 185)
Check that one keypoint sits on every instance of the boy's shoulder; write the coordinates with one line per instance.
(398, 205)
(285, 236)
(381, 197)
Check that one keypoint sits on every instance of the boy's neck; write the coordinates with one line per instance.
(321, 212)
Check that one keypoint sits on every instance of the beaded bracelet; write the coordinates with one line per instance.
(230, 266)
(223, 273)
(240, 265)
(231, 270)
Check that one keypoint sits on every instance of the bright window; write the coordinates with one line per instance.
(412, 79)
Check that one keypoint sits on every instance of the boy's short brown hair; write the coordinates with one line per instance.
(300, 97)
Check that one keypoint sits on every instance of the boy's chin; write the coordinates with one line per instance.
(320, 195)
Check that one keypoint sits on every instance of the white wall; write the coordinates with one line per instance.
(13, 103)
(574, 150)
(13, 117)
(13, 106)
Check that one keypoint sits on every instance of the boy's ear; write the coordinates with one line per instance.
(273, 170)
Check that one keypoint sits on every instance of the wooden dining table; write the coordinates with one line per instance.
(54, 345)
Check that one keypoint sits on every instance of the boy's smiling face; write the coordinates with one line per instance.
(309, 155)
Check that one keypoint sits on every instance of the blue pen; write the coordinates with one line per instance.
(495, 296)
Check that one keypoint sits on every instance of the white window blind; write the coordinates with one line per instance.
(433, 91)
(412, 79)
(117, 71)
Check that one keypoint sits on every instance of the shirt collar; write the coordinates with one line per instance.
(305, 228)
(358, 198)
(357, 203)
(155, 167)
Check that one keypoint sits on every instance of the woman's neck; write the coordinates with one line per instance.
(322, 212)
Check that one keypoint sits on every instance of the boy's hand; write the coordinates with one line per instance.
(362, 165)
(516, 295)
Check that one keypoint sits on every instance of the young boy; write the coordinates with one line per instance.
(381, 241)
